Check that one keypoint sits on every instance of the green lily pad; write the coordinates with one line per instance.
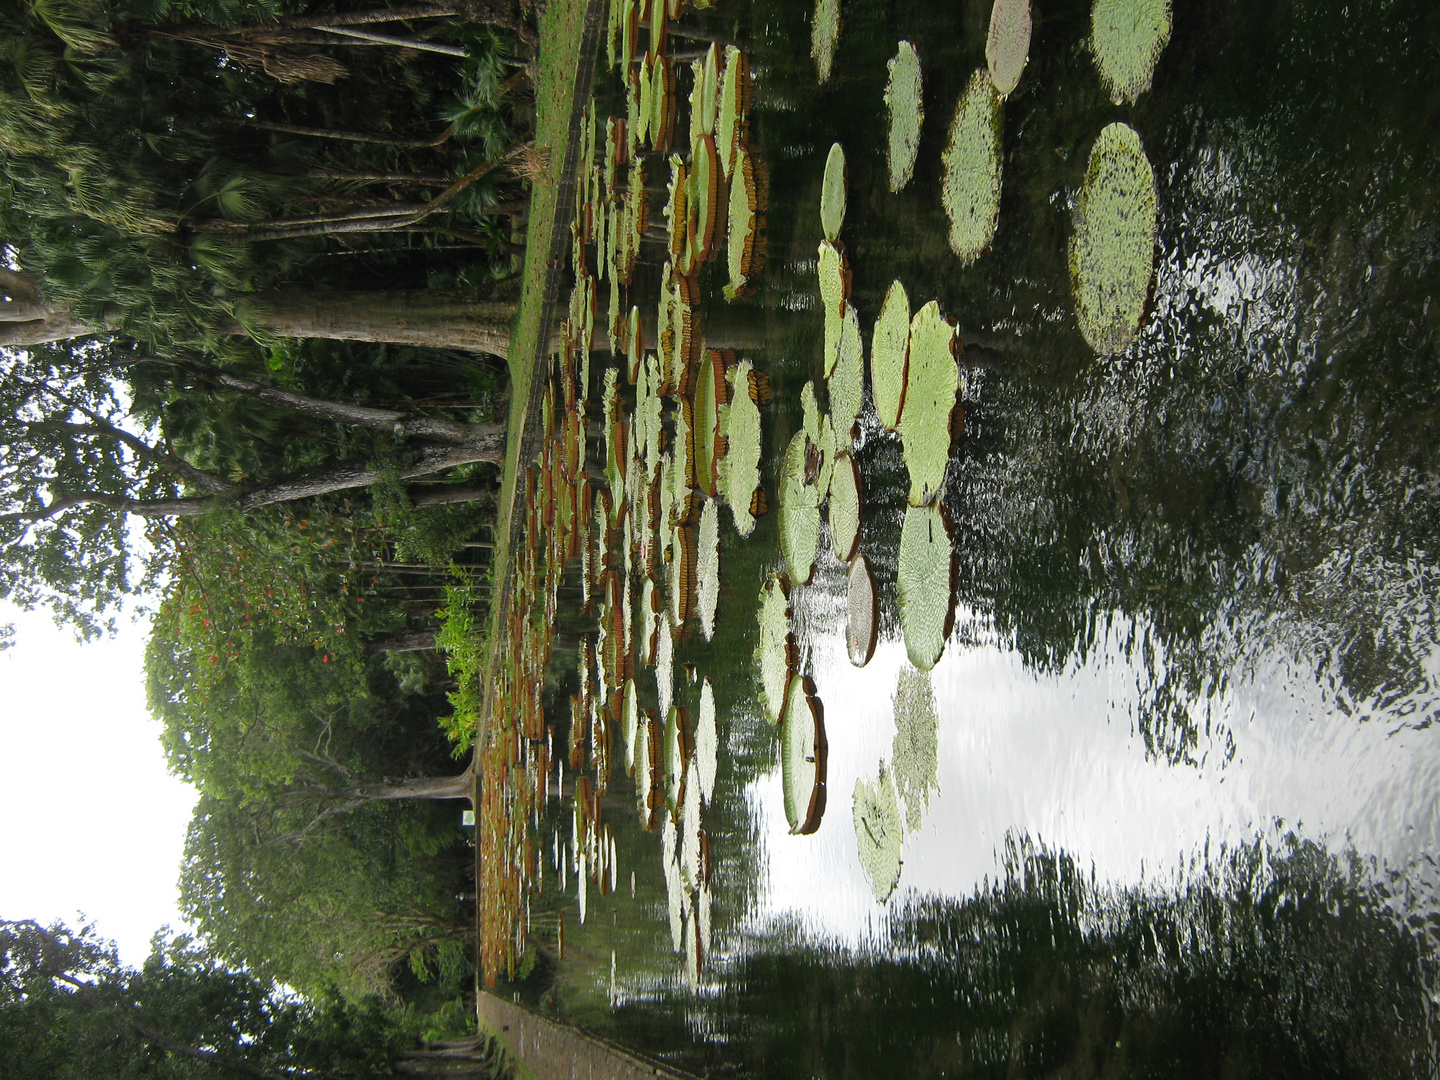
(824, 36)
(904, 100)
(970, 190)
(663, 104)
(861, 613)
(677, 754)
(923, 581)
(683, 585)
(630, 723)
(645, 110)
(1007, 46)
(745, 247)
(649, 776)
(704, 200)
(707, 743)
(799, 510)
(845, 507)
(1127, 38)
(916, 750)
(834, 293)
(832, 193)
(664, 663)
(775, 652)
(890, 356)
(705, 97)
(677, 209)
(878, 833)
(708, 567)
(1112, 252)
(810, 414)
(803, 750)
(712, 392)
(732, 126)
(693, 870)
(681, 471)
(740, 468)
(847, 379)
(931, 385)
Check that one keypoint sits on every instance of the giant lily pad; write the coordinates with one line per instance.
(845, 507)
(834, 293)
(677, 754)
(745, 248)
(705, 96)
(970, 190)
(775, 653)
(704, 201)
(732, 126)
(803, 751)
(890, 356)
(799, 509)
(630, 723)
(847, 379)
(1007, 46)
(861, 613)
(878, 833)
(832, 193)
(708, 566)
(740, 469)
(824, 36)
(930, 391)
(1112, 252)
(923, 583)
(649, 774)
(707, 743)
(917, 741)
(712, 392)
(1127, 37)
(905, 103)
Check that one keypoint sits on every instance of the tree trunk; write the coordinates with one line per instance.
(425, 787)
(428, 317)
(404, 641)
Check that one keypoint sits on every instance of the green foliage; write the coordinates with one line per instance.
(971, 187)
(906, 106)
(460, 639)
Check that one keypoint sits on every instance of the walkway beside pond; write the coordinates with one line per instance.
(552, 1051)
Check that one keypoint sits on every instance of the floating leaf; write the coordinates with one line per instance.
(630, 723)
(740, 469)
(775, 653)
(705, 98)
(931, 384)
(802, 756)
(824, 36)
(905, 103)
(677, 210)
(845, 507)
(677, 754)
(878, 833)
(664, 663)
(1112, 252)
(970, 189)
(832, 193)
(861, 613)
(704, 201)
(847, 380)
(890, 356)
(708, 566)
(745, 250)
(663, 104)
(676, 896)
(799, 509)
(1127, 37)
(649, 777)
(683, 585)
(707, 743)
(916, 751)
(1008, 45)
(923, 582)
(732, 126)
(712, 392)
(834, 292)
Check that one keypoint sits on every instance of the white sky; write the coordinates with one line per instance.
(92, 822)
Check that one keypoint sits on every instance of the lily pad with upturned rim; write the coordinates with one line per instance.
(905, 103)
(879, 834)
(861, 612)
(931, 385)
(923, 584)
(1126, 39)
(890, 356)
(832, 193)
(732, 125)
(803, 751)
(745, 246)
(1112, 251)
(970, 189)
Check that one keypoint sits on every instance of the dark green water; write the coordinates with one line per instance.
(1185, 816)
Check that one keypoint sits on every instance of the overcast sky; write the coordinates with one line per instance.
(92, 821)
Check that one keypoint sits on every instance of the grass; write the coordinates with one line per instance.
(558, 69)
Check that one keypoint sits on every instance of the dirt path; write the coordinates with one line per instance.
(554, 1051)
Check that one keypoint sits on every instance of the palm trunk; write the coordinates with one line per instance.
(428, 317)
(461, 786)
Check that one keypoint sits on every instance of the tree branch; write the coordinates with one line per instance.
(144, 450)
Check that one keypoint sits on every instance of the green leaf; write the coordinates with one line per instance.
(802, 756)
(1007, 46)
(861, 612)
(799, 510)
(707, 569)
(1112, 251)
(707, 743)
(923, 580)
(834, 292)
(931, 385)
(740, 468)
(832, 193)
(775, 652)
(824, 36)
(890, 356)
(903, 99)
(845, 507)
(970, 190)
(847, 379)
(1126, 38)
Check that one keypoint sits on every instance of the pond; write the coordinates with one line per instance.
(1140, 775)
